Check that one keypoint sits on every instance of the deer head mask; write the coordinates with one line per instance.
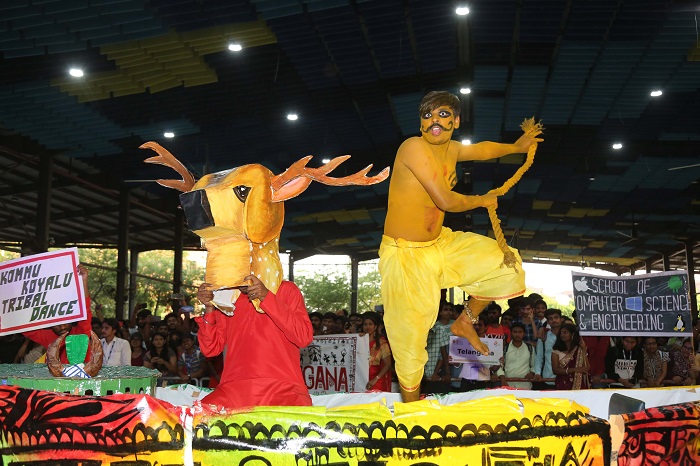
(239, 213)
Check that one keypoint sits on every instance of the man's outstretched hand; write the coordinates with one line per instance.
(527, 139)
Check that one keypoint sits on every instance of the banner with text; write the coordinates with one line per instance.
(41, 291)
(462, 351)
(336, 363)
(655, 304)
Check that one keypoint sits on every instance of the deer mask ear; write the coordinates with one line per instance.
(290, 189)
(291, 182)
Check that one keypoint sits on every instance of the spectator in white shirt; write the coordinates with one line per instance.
(116, 351)
(518, 361)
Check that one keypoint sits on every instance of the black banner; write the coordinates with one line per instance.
(654, 304)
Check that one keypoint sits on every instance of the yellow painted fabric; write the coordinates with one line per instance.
(490, 431)
(413, 273)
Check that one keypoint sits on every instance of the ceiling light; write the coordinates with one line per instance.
(592, 178)
(466, 142)
(76, 72)
(326, 161)
(656, 93)
(169, 134)
(617, 146)
(462, 10)
(235, 47)
(465, 90)
(292, 116)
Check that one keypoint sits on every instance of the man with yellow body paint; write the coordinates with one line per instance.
(418, 256)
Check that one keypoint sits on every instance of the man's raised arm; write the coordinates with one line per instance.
(488, 150)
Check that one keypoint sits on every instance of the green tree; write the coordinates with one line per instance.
(566, 309)
(159, 264)
(7, 255)
(330, 292)
(325, 293)
(102, 283)
(369, 293)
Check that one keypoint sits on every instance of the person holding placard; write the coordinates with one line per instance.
(46, 336)
(475, 375)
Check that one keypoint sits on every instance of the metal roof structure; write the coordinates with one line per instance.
(354, 72)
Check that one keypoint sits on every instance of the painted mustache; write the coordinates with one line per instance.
(435, 125)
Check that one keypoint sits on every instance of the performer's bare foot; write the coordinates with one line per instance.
(463, 327)
(408, 397)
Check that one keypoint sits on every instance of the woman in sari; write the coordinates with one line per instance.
(569, 360)
(379, 355)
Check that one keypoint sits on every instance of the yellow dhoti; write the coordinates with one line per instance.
(413, 273)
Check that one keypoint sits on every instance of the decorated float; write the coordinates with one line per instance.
(119, 417)
(495, 427)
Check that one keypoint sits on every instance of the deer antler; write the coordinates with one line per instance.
(166, 158)
(294, 180)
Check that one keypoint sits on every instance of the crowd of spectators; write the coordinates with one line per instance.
(542, 350)
(169, 345)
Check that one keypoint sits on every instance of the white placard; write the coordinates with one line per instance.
(41, 291)
(461, 351)
(336, 364)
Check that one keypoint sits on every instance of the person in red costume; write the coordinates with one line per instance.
(261, 365)
(46, 336)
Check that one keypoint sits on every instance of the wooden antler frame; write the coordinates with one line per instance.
(164, 157)
(294, 180)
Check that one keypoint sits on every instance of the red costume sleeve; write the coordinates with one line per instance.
(290, 316)
(211, 337)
